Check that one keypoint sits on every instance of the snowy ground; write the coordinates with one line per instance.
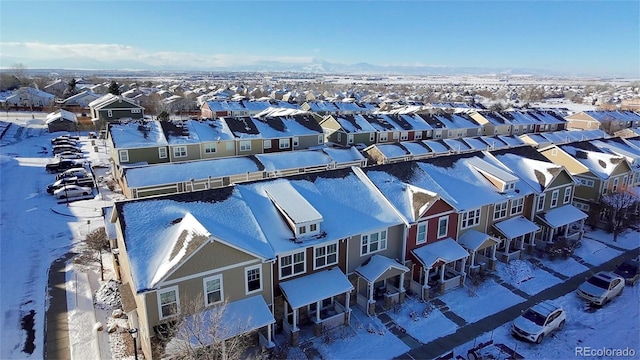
(36, 230)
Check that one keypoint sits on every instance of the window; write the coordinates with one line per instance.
(135, 111)
(245, 145)
(339, 137)
(313, 227)
(374, 242)
(212, 290)
(509, 186)
(383, 136)
(615, 184)
(500, 210)
(372, 136)
(443, 224)
(450, 134)
(554, 198)
(540, 206)
(567, 195)
(625, 181)
(404, 136)
(517, 205)
(470, 218)
(325, 255)
(396, 135)
(109, 113)
(350, 139)
(586, 182)
(168, 302)
(581, 206)
(437, 134)
(421, 237)
(516, 129)
(210, 148)
(231, 146)
(254, 280)
(180, 151)
(320, 139)
(284, 143)
(417, 135)
(266, 144)
(291, 265)
(162, 153)
(296, 141)
(302, 229)
(124, 155)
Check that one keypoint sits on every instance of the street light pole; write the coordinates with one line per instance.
(134, 335)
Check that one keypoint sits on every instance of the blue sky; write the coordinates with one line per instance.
(593, 37)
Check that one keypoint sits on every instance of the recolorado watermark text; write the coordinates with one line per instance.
(587, 351)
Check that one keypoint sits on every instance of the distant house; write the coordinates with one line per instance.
(492, 123)
(82, 99)
(62, 120)
(30, 97)
(114, 108)
(447, 125)
(609, 121)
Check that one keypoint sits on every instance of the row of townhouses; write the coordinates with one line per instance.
(291, 253)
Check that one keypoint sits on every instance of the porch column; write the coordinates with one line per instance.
(318, 304)
(507, 248)
(402, 282)
(473, 259)
(550, 237)
(566, 230)
(346, 300)
(295, 320)
(269, 332)
(442, 272)
(426, 277)
(286, 312)
(370, 285)
(494, 248)
(346, 308)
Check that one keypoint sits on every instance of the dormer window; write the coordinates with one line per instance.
(301, 217)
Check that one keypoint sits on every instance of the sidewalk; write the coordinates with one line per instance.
(446, 344)
(56, 337)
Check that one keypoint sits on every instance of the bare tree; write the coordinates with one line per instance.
(97, 241)
(620, 211)
(207, 333)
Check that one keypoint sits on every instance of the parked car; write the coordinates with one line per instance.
(83, 181)
(69, 155)
(629, 271)
(539, 321)
(68, 191)
(78, 172)
(62, 165)
(601, 288)
(63, 148)
(67, 142)
(65, 137)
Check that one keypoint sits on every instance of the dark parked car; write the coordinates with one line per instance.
(64, 148)
(65, 142)
(65, 137)
(62, 165)
(629, 270)
(85, 182)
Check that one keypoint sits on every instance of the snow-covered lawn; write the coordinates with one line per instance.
(594, 252)
(627, 240)
(424, 329)
(567, 267)
(525, 276)
(475, 304)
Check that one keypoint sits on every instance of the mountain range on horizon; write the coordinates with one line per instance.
(316, 66)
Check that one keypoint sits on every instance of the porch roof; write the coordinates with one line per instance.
(377, 265)
(516, 226)
(447, 250)
(233, 319)
(475, 240)
(315, 287)
(561, 216)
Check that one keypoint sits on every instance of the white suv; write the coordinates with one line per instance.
(539, 321)
(601, 288)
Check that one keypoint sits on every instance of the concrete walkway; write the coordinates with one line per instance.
(56, 338)
(464, 334)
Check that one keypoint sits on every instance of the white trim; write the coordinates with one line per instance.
(244, 142)
(160, 155)
(293, 263)
(122, 158)
(380, 248)
(204, 288)
(246, 279)
(210, 148)
(497, 210)
(209, 272)
(426, 229)
(179, 149)
(462, 220)
(555, 193)
(283, 144)
(159, 292)
(567, 195)
(446, 228)
(325, 246)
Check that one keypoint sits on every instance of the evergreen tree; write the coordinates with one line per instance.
(114, 88)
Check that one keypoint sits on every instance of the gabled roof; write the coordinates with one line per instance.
(108, 99)
(442, 251)
(61, 115)
(291, 204)
(377, 265)
(354, 123)
(599, 163)
(530, 166)
(137, 135)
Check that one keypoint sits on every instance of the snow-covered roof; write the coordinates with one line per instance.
(340, 155)
(600, 164)
(137, 135)
(315, 287)
(109, 99)
(516, 226)
(210, 130)
(475, 240)
(457, 145)
(614, 115)
(377, 265)
(475, 143)
(562, 215)
(291, 204)
(436, 146)
(354, 123)
(446, 251)
(538, 174)
(61, 115)
(293, 159)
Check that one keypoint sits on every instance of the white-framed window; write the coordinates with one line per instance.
(325, 255)
(109, 113)
(135, 111)
(179, 151)
(372, 136)
(437, 134)
(339, 137)
(162, 152)
(443, 224)
(460, 133)
(404, 136)
(383, 136)
(586, 182)
(231, 146)
(567, 195)
(213, 293)
(540, 206)
(470, 218)
(266, 144)
(296, 141)
(245, 145)
(374, 242)
(283, 143)
(210, 148)
(554, 198)
(417, 135)
(615, 184)
(320, 139)
(517, 205)
(509, 186)
(516, 129)
(396, 135)
(581, 206)
(168, 302)
(421, 236)
(313, 227)
(350, 139)
(292, 264)
(500, 210)
(302, 229)
(253, 276)
(625, 181)
(123, 155)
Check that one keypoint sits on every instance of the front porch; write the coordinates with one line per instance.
(483, 248)
(380, 279)
(516, 233)
(307, 303)
(563, 223)
(447, 259)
